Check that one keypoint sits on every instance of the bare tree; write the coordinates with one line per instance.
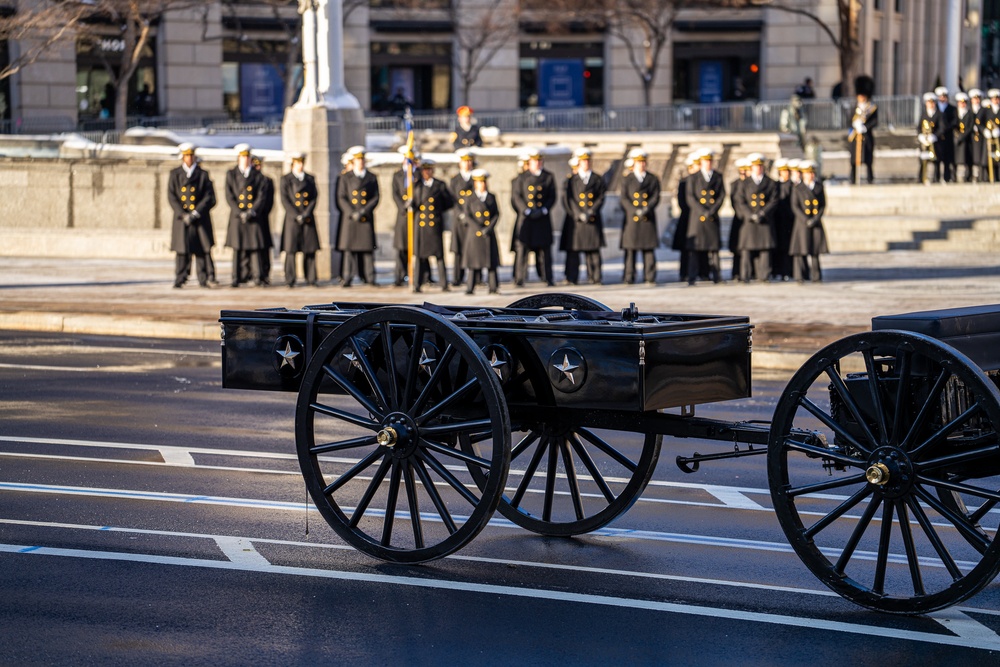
(39, 30)
(481, 30)
(844, 34)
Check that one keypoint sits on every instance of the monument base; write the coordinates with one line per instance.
(323, 135)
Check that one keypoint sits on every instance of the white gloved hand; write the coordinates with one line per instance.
(996, 132)
(932, 138)
(859, 127)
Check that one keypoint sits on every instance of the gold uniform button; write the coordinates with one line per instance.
(702, 200)
(590, 195)
(422, 224)
(479, 233)
(355, 192)
(711, 192)
(184, 198)
(241, 205)
(298, 203)
(702, 218)
(753, 203)
(354, 201)
(461, 202)
(583, 196)
(242, 196)
(364, 201)
(753, 196)
(635, 218)
(478, 214)
(635, 202)
(430, 208)
(249, 196)
(184, 188)
(299, 194)
(531, 188)
(487, 222)
(423, 207)
(645, 195)
(249, 205)
(423, 216)
(704, 192)
(430, 200)
(431, 224)
(487, 214)
(249, 188)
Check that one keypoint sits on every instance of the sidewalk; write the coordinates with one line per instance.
(136, 298)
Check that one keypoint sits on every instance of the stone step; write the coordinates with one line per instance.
(946, 200)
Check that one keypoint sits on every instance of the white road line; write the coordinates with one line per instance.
(963, 626)
(816, 624)
(176, 456)
(495, 522)
(240, 550)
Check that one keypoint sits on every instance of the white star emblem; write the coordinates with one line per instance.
(497, 365)
(567, 368)
(288, 355)
(425, 360)
(353, 359)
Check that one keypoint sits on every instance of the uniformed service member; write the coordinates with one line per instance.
(461, 188)
(945, 147)
(358, 195)
(584, 198)
(265, 207)
(299, 234)
(679, 240)
(571, 265)
(808, 240)
(864, 121)
(640, 195)
(244, 187)
(991, 123)
(978, 134)
(192, 197)
(400, 195)
(466, 134)
(757, 203)
(705, 193)
(742, 168)
(481, 250)
(965, 136)
(781, 261)
(533, 194)
(431, 199)
(930, 131)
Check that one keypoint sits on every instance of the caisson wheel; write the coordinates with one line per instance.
(383, 404)
(884, 468)
(559, 300)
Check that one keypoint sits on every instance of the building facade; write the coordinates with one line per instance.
(240, 59)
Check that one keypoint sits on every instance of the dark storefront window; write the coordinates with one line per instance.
(990, 65)
(96, 59)
(568, 74)
(716, 72)
(4, 83)
(254, 82)
(417, 74)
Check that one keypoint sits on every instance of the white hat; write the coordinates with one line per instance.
(242, 149)
(465, 154)
(929, 97)
(297, 156)
(794, 164)
(961, 97)
(807, 165)
(692, 158)
(345, 159)
(480, 174)
(941, 91)
(638, 154)
(993, 92)
(781, 163)
(975, 92)
(533, 153)
(756, 158)
(582, 153)
(186, 148)
(706, 154)
(574, 161)
(627, 164)
(742, 163)
(356, 151)
(427, 162)
(523, 157)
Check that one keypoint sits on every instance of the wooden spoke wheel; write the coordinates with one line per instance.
(884, 468)
(565, 479)
(383, 404)
(560, 300)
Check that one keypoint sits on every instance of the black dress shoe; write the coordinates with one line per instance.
(469, 291)
(235, 283)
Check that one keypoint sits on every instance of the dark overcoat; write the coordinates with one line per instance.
(734, 228)
(757, 204)
(583, 203)
(679, 241)
(704, 199)
(299, 199)
(640, 201)
(245, 194)
(461, 190)
(481, 250)
(966, 139)
(533, 197)
(429, 205)
(400, 196)
(358, 196)
(188, 195)
(808, 235)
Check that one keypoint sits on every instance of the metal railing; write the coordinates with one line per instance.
(751, 116)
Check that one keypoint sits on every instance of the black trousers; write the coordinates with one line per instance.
(308, 267)
(182, 268)
(648, 266)
(361, 264)
(854, 172)
(708, 258)
(807, 267)
(592, 258)
(424, 271)
(755, 263)
(543, 263)
(473, 276)
(248, 264)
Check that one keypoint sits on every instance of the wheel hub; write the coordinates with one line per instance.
(890, 470)
(398, 434)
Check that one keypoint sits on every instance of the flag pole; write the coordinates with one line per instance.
(408, 165)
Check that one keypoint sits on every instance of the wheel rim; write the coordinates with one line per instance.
(568, 480)
(560, 300)
(893, 507)
(383, 403)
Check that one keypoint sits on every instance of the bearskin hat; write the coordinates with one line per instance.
(864, 85)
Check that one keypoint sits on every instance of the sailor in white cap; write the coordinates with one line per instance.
(460, 186)
(481, 249)
(743, 170)
(679, 241)
(757, 202)
(930, 133)
(966, 138)
(945, 147)
(402, 183)
(533, 194)
(989, 117)
(705, 194)
(431, 200)
(583, 228)
(357, 197)
(640, 195)
(191, 197)
(299, 235)
(244, 188)
(808, 240)
(781, 263)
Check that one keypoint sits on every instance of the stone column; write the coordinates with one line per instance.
(952, 45)
(324, 125)
(310, 85)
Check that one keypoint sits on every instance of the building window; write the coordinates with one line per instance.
(561, 74)
(258, 81)
(897, 74)
(716, 72)
(414, 74)
(877, 63)
(98, 61)
(4, 83)
(899, 6)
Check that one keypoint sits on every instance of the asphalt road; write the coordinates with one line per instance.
(150, 516)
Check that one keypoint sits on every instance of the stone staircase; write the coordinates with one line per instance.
(942, 218)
